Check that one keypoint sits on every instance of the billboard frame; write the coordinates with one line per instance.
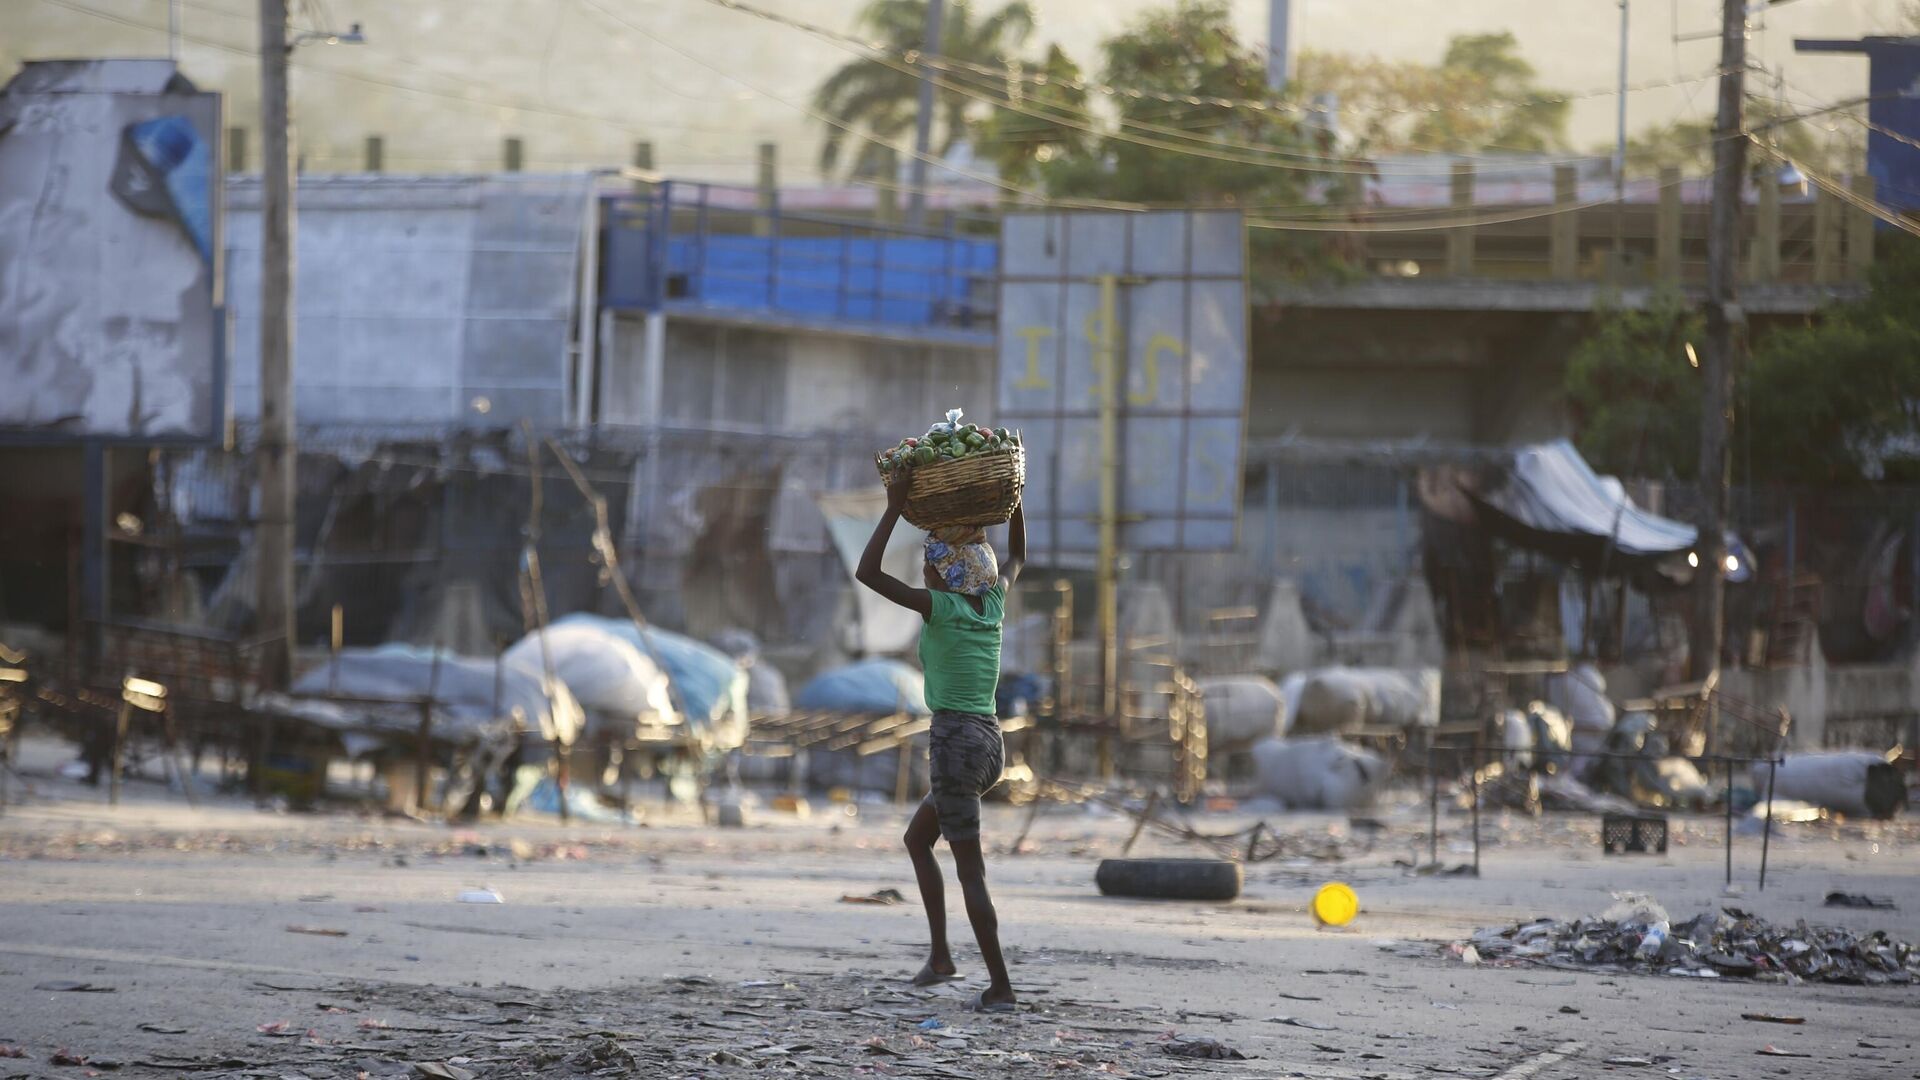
(220, 428)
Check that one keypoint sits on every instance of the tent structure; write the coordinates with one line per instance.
(1551, 501)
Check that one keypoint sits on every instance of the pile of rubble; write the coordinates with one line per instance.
(1732, 944)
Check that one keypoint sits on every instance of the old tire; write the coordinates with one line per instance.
(1169, 879)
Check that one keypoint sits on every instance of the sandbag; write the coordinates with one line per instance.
(1242, 710)
(1859, 783)
(473, 697)
(610, 678)
(767, 690)
(1342, 699)
(1318, 774)
(869, 687)
(709, 687)
(1581, 694)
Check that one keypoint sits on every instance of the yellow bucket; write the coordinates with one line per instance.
(1335, 904)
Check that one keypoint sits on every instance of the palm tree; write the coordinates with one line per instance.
(877, 96)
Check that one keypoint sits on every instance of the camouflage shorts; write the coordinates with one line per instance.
(967, 757)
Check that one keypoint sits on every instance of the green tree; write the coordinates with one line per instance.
(1035, 118)
(1688, 144)
(878, 96)
(1835, 402)
(1633, 392)
(1491, 97)
(1188, 49)
(1838, 401)
(1489, 67)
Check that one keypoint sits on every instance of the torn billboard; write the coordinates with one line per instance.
(110, 263)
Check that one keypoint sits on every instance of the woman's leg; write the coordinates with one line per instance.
(971, 867)
(922, 831)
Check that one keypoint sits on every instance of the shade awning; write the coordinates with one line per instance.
(1551, 501)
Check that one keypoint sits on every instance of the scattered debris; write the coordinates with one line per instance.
(276, 1027)
(1769, 1018)
(434, 1070)
(482, 896)
(1773, 1051)
(1734, 943)
(1570, 1010)
(317, 931)
(1300, 1022)
(1192, 1046)
(1629, 1062)
(69, 986)
(8, 1051)
(162, 1029)
(1857, 900)
(884, 896)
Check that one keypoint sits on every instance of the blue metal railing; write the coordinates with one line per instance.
(706, 246)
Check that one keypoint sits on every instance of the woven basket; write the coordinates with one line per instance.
(979, 489)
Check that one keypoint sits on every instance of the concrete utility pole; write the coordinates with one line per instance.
(1620, 160)
(923, 119)
(1279, 43)
(273, 533)
(1726, 327)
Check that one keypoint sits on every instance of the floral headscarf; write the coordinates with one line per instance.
(963, 559)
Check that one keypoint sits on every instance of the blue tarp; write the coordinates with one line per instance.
(709, 687)
(875, 687)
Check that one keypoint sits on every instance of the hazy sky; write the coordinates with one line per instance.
(445, 80)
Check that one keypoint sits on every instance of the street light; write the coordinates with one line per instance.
(353, 36)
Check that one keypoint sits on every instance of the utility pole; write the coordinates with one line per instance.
(1279, 44)
(273, 532)
(1726, 326)
(1620, 160)
(923, 119)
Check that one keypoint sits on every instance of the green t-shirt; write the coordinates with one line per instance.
(960, 651)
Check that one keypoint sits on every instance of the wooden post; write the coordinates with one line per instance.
(118, 751)
(1726, 343)
(1763, 258)
(887, 193)
(1563, 242)
(766, 179)
(513, 154)
(376, 153)
(1460, 240)
(1826, 237)
(276, 454)
(1860, 230)
(236, 149)
(1667, 227)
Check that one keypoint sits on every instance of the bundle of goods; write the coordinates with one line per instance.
(962, 474)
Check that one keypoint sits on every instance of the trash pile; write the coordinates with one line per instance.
(1637, 936)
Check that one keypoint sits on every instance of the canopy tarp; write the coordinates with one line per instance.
(1550, 500)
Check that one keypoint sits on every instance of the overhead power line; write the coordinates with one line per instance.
(1012, 72)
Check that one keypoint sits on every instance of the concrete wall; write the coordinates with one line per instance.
(1482, 376)
(761, 376)
(417, 297)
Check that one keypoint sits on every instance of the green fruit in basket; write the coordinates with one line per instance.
(1002, 434)
(924, 455)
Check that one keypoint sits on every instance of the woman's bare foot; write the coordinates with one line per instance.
(994, 999)
(935, 972)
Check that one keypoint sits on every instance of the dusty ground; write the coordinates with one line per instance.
(676, 950)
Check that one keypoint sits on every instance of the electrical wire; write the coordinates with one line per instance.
(853, 130)
(491, 102)
(1842, 192)
(1085, 121)
(917, 58)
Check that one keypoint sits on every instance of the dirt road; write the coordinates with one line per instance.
(232, 942)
